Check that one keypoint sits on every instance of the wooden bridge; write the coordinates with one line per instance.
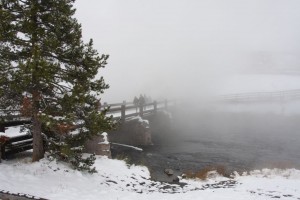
(119, 111)
(126, 110)
(259, 97)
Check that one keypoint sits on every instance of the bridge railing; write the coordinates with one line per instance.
(261, 96)
(117, 110)
(128, 109)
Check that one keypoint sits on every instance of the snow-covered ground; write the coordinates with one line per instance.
(116, 180)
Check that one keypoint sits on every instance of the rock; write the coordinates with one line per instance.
(169, 172)
(176, 180)
(183, 175)
(142, 183)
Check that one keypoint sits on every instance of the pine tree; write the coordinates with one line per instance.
(44, 61)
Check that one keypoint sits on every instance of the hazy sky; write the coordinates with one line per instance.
(166, 47)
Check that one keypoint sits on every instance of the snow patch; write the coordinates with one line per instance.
(139, 119)
(144, 122)
(105, 139)
(14, 131)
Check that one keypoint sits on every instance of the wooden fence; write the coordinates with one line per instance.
(12, 145)
(124, 110)
(117, 110)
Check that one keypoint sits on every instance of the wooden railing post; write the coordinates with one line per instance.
(141, 107)
(155, 107)
(0, 152)
(123, 115)
(2, 128)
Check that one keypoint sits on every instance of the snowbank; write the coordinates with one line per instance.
(116, 180)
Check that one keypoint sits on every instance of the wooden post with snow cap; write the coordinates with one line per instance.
(123, 108)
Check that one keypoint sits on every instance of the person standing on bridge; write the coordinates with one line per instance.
(141, 102)
(136, 103)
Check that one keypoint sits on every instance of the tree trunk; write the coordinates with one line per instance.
(38, 147)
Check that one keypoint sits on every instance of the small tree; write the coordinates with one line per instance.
(44, 60)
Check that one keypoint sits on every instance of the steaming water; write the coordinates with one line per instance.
(235, 154)
(237, 141)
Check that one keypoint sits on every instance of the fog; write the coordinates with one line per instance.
(192, 50)
(238, 141)
(175, 48)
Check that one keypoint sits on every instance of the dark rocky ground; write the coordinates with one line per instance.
(6, 195)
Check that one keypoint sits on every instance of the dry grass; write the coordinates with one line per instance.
(204, 172)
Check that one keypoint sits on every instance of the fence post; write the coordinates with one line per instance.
(2, 151)
(2, 128)
(123, 108)
(141, 107)
(155, 107)
(2, 147)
